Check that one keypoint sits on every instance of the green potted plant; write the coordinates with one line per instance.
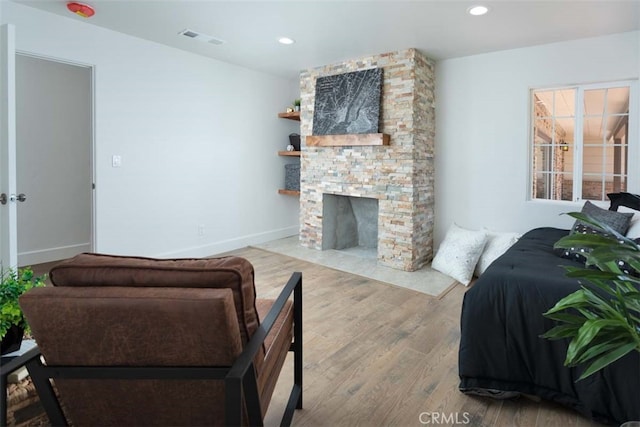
(296, 105)
(602, 318)
(13, 283)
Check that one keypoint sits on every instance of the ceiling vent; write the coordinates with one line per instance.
(201, 37)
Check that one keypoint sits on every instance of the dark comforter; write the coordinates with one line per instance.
(501, 348)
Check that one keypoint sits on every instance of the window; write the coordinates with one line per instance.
(581, 141)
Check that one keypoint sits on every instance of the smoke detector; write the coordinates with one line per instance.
(81, 9)
(201, 37)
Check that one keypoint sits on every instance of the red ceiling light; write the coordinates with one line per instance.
(81, 9)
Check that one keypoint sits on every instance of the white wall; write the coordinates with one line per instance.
(482, 119)
(198, 140)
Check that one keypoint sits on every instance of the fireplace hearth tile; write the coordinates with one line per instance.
(425, 280)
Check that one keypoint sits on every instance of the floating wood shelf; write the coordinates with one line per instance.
(347, 140)
(289, 153)
(289, 192)
(291, 116)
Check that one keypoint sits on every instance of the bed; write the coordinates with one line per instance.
(501, 353)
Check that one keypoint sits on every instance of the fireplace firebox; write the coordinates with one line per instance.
(349, 222)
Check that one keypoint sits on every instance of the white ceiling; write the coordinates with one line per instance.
(331, 31)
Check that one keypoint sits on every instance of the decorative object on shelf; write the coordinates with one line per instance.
(348, 103)
(290, 147)
(14, 283)
(294, 139)
(292, 177)
(289, 110)
(296, 105)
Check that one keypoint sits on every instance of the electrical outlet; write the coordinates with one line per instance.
(200, 230)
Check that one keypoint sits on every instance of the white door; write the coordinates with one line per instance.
(8, 194)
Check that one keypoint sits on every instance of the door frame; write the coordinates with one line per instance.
(92, 133)
(8, 211)
(8, 140)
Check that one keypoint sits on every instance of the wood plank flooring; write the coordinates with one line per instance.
(379, 355)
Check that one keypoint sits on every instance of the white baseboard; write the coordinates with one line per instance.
(231, 244)
(51, 254)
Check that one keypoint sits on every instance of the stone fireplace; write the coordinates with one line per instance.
(397, 177)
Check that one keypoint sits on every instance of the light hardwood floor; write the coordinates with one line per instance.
(379, 355)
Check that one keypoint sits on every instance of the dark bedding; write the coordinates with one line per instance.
(500, 344)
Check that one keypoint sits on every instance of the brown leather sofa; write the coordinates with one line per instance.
(141, 341)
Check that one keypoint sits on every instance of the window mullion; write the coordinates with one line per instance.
(633, 141)
(578, 141)
(552, 151)
(603, 141)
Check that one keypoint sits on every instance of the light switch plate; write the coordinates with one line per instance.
(116, 161)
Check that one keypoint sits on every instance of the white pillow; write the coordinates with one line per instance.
(634, 227)
(624, 209)
(459, 252)
(497, 244)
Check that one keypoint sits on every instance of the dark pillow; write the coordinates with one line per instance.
(579, 254)
(618, 221)
(627, 269)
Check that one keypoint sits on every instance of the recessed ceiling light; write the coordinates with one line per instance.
(477, 10)
(286, 40)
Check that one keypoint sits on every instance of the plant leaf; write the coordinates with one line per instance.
(572, 300)
(586, 334)
(598, 349)
(561, 331)
(583, 240)
(609, 308)
(607, 359)
(565, 317)
(589, 273)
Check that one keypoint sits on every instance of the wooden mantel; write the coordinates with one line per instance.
(346, 140)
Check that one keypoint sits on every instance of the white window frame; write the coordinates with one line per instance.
(633, 160)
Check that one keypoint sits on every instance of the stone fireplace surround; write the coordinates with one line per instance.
(400, 175)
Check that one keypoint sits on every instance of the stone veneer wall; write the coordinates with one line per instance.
(400, 175)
